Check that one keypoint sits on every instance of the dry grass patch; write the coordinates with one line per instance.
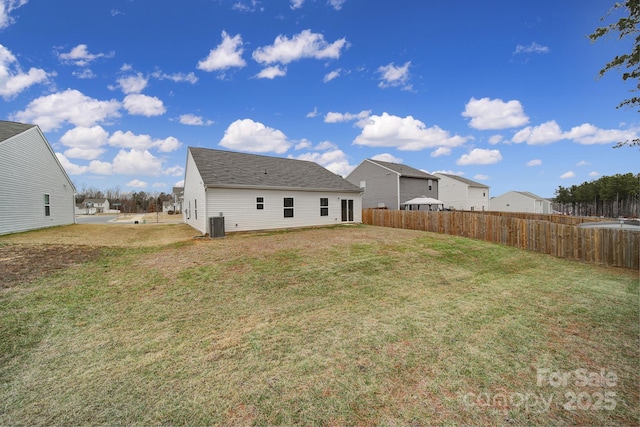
(334, 326)
(121, 235)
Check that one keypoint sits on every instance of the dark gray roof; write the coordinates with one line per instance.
(404, 170)
(465, 180)
(220, 168)
(10, 129)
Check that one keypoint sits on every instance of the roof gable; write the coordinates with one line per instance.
(463, 180)
(403, 170)
(220, 168)
(11, 129)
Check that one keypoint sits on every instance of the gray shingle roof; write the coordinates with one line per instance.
(465, 180)
(404, 170)
(10, 129)
(220, 168)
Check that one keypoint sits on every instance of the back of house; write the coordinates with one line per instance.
(256, 192)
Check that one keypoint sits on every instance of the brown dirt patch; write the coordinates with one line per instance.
(24, 263)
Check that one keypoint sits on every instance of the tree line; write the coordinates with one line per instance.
(129, 202)
(609, 196)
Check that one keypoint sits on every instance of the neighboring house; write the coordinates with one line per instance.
(520, 201)
(462, 194)
(35, 190)
(178, 194)
(99, 205)
(254, 192)
(389, 185)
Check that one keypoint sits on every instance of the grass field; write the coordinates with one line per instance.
(350, 325)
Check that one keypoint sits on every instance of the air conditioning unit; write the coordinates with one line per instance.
(216, 226)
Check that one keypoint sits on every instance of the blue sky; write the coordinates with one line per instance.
(503, 92)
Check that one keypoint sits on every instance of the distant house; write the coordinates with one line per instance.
(35, 190)
(520, 201)
(99, 205)
(178, 195)
(462, 194)
(390, 185)
(254, 192)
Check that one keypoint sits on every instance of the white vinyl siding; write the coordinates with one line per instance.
(29, 169)
(194, 192)
(238, 206)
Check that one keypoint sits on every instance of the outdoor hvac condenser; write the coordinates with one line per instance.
(216, 226)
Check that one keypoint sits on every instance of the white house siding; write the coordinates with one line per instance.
(461, 196)
(478, 199)
(194, 196)
(514, 201)
(239, 208)
(29, 169)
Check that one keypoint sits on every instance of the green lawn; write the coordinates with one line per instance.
(352, 325)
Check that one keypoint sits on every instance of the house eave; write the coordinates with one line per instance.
(279, 188)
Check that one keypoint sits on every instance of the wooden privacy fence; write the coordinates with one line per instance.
(608, 246)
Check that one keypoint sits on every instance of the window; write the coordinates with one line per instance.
(260, 203)
(430, 183)
(47, 205)
(324, 206)
(288, 207)
(195, 208)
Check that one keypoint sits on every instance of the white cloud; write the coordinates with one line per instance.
(143, 142)
(175, 77)
(495, 139)
(582, 163)
(133, 84)
(594, 174)
(51, 111)
(531, 48)
(101, 168)
(84, 142)
(12, 79)
(84, 74)
(386, 157)
(136, 183)
(588, 134)
(336, 4)
(296, 4)
(333, 117)
(392, 76)
(6, 7)
(193, 120)
(303, 45)
(493, 114)
(534, 162)
(70, 168)
(568, 174)
(173, 171)
(334, 160)
(143, 105)
(480, 156)
(404, 133)
(136, 162)
(313, 113)
(303, 144)
(81, 57)
(545, 133)
(441, 151)
(481, 177)
(247, 135)
(226, 55)
(331, 75)
(247, 5)
(272, 72)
